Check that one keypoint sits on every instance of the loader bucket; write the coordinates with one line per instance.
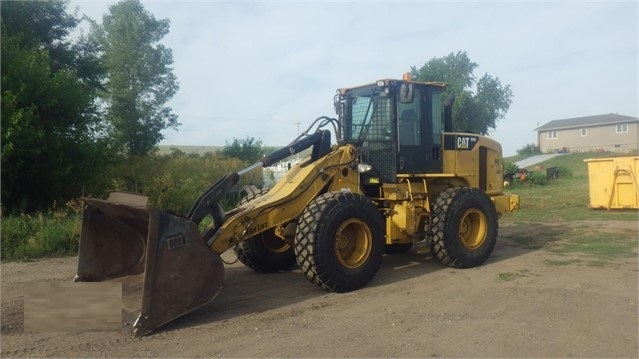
(165, 267)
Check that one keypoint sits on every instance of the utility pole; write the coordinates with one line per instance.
(298, 127)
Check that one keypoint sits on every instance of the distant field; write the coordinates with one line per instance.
(200, 150)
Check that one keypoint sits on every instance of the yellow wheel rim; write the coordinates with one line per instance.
(353, 242)
(473, 228)
(274, 244)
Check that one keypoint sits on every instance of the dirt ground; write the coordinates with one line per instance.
(525, 301)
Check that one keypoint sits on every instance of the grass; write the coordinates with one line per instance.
(528, 241)
(605, 246)
(587, 242)
(566, 198)
(556, 218)
(25, 237)
(517, 158)
(562, 262)
(509, 276)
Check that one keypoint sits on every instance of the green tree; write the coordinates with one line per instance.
(248, 149)
(39, 24)
(52, 142)
(479, 104)
(140, 79)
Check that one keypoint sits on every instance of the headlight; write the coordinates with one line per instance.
(363, 168)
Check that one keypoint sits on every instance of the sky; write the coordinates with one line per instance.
(266, 69)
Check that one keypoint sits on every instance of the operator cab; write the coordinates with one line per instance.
(397, 124)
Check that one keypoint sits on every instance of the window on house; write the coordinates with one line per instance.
(552, 135)
(622, 128)
(584, 131)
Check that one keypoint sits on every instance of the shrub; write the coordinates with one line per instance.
(174, 181)
(510, 167)
(564, 171)
(529, 149)
(183, 179)
(54, 233)
(537, 178)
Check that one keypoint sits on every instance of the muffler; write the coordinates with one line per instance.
(166, 268)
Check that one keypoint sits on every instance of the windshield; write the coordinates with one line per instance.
(366, 115)
(362, 111)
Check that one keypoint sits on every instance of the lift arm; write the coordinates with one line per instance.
(208, 202)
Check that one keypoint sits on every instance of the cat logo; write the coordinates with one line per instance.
(466, 142)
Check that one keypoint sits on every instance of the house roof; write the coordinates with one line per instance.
(599, 120)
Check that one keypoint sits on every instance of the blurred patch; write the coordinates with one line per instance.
(73, 307)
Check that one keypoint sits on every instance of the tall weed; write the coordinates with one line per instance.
(54, 233)
(172, 182)
(175, 181)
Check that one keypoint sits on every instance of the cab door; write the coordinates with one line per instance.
(419, 130)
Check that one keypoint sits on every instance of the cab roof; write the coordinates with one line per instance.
(388, 82)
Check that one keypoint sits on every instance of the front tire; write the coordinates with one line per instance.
(265, 252)
(339, 241)
(464, 230)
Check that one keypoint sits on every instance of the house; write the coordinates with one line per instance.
(272, 174)
(611, 132)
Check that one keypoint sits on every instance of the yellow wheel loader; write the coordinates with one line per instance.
(396, 179)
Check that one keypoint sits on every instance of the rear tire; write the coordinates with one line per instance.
(265, 252)
(339, 241)
(464, 228)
